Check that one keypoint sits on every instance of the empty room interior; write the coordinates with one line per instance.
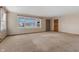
(39, 28)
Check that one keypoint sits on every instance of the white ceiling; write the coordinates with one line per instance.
(48, 11)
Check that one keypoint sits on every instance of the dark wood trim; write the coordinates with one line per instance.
(56, 25)
(69, 33)
(26, 33)
(48, 25)
(5, 10)
(3, 7)
(27, 15)
(3, 38)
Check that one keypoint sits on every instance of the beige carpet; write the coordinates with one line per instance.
(41, 42)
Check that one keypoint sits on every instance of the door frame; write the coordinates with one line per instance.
(48, 26)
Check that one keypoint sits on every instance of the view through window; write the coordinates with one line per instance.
(2, 20)
(28, 22)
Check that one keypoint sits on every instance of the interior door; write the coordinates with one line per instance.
(48, 25)
(56, 25)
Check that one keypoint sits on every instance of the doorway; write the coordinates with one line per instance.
(48, 25)
(55, 25)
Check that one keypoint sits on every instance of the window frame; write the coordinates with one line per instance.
(32, 18)
(3, 15)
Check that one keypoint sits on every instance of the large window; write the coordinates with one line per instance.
(28, 22)
(2, 20)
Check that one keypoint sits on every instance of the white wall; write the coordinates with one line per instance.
(12, 26)
(69, 24)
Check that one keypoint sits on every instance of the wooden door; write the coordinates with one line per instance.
(47, 25)
(56, 25)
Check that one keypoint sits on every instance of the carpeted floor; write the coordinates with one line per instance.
(41, 42)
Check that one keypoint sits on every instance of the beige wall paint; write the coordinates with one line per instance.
(69, 24)
(12, 26)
